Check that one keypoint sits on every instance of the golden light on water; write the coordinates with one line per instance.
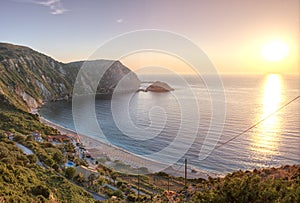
(272, 94)
(266, 139)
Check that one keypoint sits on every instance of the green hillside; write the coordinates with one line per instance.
(29, 78)
(22, 180)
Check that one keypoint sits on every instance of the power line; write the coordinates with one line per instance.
(246, 130)
(249, 128)
(257, 123)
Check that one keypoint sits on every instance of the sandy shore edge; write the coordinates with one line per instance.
(100, 149)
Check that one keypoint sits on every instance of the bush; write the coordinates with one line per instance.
(49, 162)
(41, 190)
(143, 170)
(19, 138)
(118, 193)
(79, 179)
(70, 172)
(29, 138)
(162, 174)
(59, 158)
(32, 158)
(131, 198)
(119, 184)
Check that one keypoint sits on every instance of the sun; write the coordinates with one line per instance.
(275, 51)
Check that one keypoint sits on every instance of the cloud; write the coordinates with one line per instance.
(56, 7)
(120, 20)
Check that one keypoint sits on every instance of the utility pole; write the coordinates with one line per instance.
(185, 171)
(138, 185)
(168, 184)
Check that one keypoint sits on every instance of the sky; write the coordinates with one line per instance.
(232, 33)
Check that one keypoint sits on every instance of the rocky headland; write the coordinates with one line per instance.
(29, 78)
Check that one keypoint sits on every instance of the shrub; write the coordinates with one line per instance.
(131, 198)
(118, 193)
(70, 172)
(32, 158)
(41, 190)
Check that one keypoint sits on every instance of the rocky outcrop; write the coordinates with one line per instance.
(159, 86)
(30, 101)
(106, 82)
(28, 78)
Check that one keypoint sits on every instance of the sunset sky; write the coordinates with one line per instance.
(233, 33)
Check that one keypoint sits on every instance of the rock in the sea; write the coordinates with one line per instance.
(159, 86)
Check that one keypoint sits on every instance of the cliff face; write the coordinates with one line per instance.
(28, 78)
(94, 71)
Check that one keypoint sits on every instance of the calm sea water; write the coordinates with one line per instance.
(165, 126)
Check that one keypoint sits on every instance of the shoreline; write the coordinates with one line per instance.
(99, 149)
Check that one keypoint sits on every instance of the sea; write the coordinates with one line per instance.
(218, 123)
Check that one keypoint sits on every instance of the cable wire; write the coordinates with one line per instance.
(257, 123)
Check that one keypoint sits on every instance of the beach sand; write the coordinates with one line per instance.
(99, 149)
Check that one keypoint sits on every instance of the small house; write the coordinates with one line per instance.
(37, 136)
(10, 135)
(58, 138)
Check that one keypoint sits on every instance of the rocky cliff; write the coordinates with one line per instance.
(93, 72)
(28, 78)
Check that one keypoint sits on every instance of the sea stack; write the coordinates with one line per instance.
(159, 86)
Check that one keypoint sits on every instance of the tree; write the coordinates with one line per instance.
(69, 147)
(118, 193)
(29, 138)
(114, 176)
(49, 162)
(70, 172)
(131, 198)
(41, 190)
(100, 180)
(119, 184)
(58, 157)
(56, 167)
(79, 179)
(32, 158)
(92, 178)
(4, 152)
(3, 135)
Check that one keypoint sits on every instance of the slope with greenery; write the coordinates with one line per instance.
(22, 180)
(28, 78)
(264, 185)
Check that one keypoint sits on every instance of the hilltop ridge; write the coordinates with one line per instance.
(28, 78)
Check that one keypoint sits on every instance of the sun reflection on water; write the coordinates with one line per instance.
(265, 140)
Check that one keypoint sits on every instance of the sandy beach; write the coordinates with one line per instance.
(99, 149)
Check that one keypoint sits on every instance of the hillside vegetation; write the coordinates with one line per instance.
(264, 185)
(29, 78)
(22, 180)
